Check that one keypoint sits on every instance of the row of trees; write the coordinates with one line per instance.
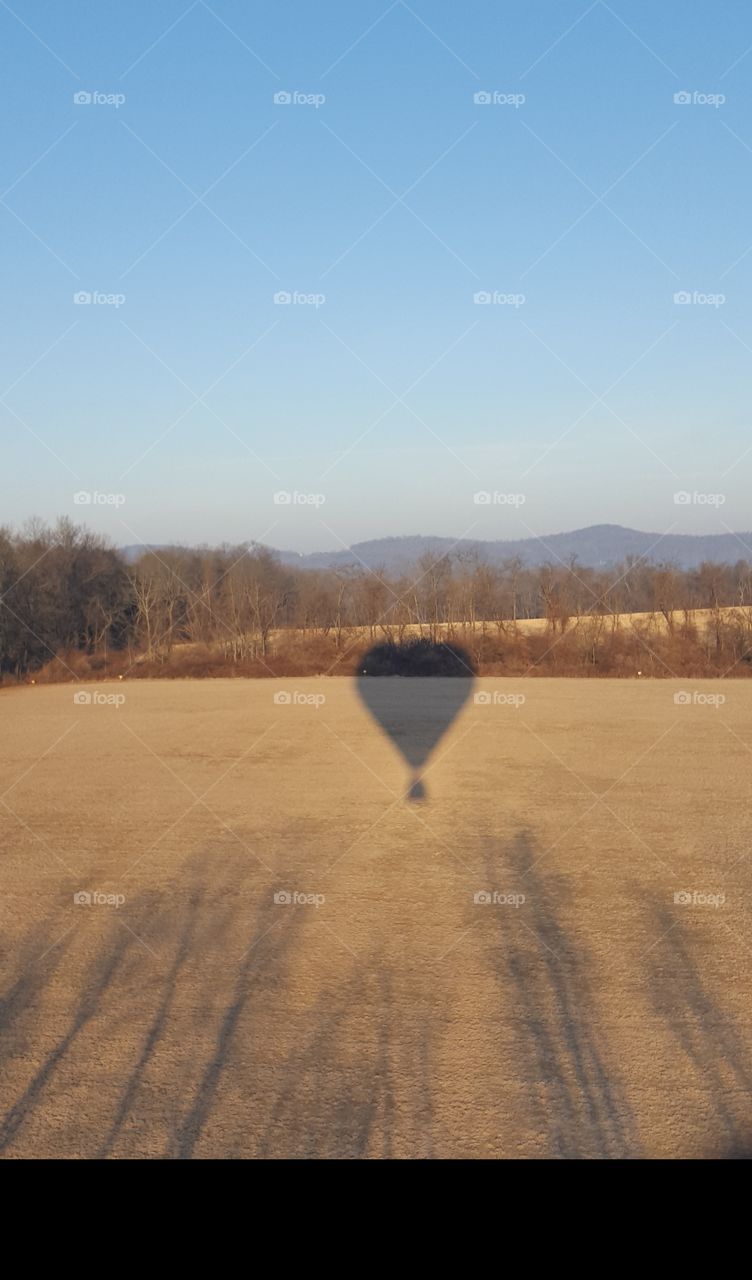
(65, 591)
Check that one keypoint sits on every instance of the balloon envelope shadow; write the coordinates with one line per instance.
(414, 691)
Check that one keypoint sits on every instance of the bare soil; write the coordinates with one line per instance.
(383, 1011)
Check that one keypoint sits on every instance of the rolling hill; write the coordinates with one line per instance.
(597, 546)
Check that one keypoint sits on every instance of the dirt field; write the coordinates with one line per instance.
(382, 1012)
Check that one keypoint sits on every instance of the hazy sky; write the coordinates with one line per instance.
(383, 197)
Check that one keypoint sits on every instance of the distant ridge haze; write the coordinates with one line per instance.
(596, 546)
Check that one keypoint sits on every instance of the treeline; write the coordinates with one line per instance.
(71, 605)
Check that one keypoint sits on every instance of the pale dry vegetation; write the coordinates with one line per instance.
(395, 1015)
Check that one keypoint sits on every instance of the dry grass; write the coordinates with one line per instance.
(703, 619)
(397, 1017)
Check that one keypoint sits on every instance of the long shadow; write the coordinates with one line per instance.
(353, 1076)
(348, 1077)
(269, 941)
(159, 1022)
(36, 962)
(186, 925)
(579, 1107)
(102, 974)
(336, 1097)
(328, 1086)
(704, 1032)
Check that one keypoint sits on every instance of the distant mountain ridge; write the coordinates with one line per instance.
(597, 546)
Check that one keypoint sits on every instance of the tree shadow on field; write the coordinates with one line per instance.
(17, 1005)
(358, 1082)
(205, 1046)
(197, 1021)
(706, 1035)
(186, 938)
(109, 976)
(347, 1098)
(579, 1107)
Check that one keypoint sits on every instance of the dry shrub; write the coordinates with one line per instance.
(593, 647)
(72, 665)
(419, 657)
(317, 655)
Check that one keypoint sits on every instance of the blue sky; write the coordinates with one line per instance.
(387, 193)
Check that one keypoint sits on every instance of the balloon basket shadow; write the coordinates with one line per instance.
(416, 790)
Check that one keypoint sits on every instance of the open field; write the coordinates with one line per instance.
(393, 1015)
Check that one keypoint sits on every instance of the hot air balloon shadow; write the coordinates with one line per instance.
(414, 691)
